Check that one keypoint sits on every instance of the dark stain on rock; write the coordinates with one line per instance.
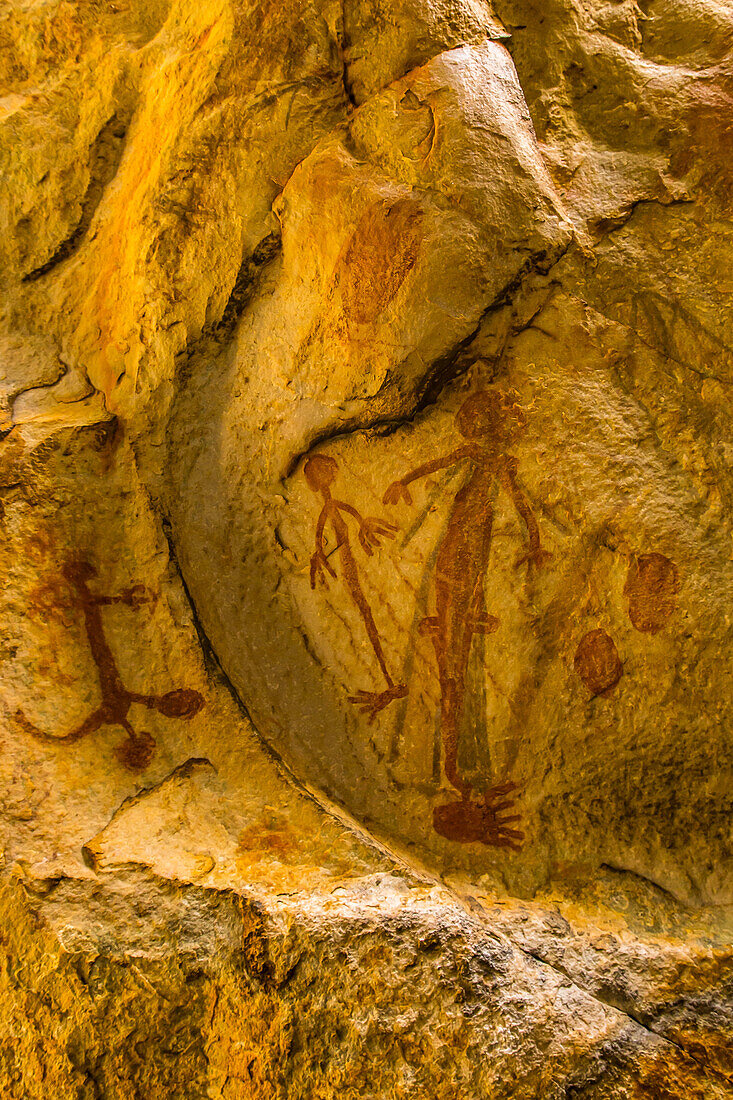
(104, 159)
(247, 282)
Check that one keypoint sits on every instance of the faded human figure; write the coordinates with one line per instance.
(116, 700)
(320, 472)
(490, 421)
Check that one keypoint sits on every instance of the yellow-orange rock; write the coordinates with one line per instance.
(365, 497)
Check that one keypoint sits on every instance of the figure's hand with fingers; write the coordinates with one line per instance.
(371, 702)
(136, 596)
(499, 830)
(494, 795)
(368, 702)
(320, 566)
(535, 558)
(372, 531)
(396, 492)
(502, 837)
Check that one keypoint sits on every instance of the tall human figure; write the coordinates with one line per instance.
(490, 422)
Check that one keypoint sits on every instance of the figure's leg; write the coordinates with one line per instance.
(461, 613)
(91, 724)
(476, 562)
(371, 702)
(134, 753)
(351, 576)
(441, 627)
(479, 620)
(437, 625)
(449, 722)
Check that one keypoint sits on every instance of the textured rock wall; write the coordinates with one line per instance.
(366, 535)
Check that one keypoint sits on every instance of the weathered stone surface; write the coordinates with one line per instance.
(365, 504)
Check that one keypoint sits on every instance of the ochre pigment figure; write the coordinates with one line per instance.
(320, 472)
(490, 422)
(137, 750)
(597, 662)
(652, 586)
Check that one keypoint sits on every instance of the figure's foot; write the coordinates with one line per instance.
(371, 702)
(483, 623)
(181, 703)
(136, 752)
(478, 821)
(477, 624)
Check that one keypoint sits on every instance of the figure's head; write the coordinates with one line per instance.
(491, 414)
(320, 472)
(77, 571)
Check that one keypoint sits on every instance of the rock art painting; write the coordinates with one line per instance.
(368, 274)
(320, 473)
(652, 586)
(136, 751)
(597, 662)
(489, 421)
(450, 607)
(351, 314)
(378, 258)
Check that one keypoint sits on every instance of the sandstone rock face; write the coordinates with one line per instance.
(367, 539)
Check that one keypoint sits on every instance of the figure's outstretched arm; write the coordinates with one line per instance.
(399, 488)
(133, 597)
(78, 574)
(320, 565)
(344, 507)
(508, 476)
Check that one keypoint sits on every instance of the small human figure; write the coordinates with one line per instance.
(135, 752)
(320, 472)
(490, 421)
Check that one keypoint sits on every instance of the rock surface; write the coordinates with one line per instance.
(366, 533)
